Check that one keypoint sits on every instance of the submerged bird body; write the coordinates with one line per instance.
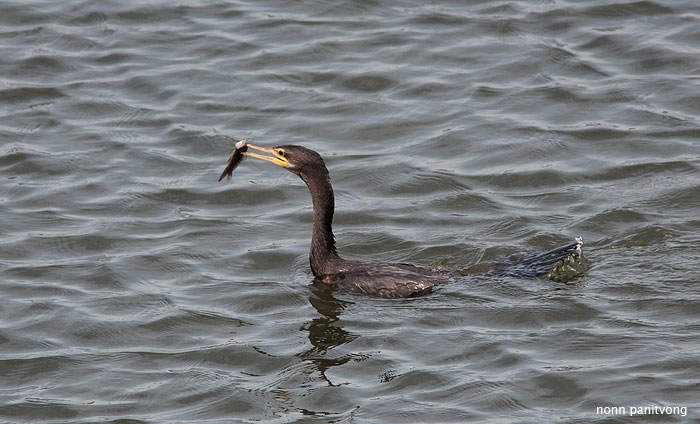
(389, 280)
(384, 279)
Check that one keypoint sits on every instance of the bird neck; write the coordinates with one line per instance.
(323, 256)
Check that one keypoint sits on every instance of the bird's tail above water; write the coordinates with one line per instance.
(560, 264)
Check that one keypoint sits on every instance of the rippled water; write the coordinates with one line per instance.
(134, 288)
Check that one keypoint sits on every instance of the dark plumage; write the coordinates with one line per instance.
(390, 280)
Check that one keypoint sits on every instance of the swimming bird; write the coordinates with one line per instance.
(388, 280)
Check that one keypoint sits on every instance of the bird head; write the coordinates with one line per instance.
(296, 159)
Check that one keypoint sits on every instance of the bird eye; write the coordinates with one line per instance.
(280, 152)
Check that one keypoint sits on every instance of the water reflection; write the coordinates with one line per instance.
(325, 333)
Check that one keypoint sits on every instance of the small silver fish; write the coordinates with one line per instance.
(235, 158)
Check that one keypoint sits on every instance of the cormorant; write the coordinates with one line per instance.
(389, 280)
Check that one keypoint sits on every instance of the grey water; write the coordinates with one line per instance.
(135, 288)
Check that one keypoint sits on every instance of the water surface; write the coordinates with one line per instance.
(134, 288)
